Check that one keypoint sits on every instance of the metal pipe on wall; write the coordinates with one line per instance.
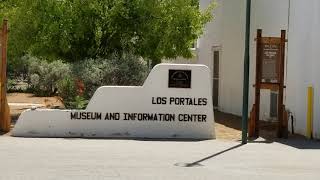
(310, 113)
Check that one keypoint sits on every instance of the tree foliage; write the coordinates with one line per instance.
(76, 29)
(7, 7)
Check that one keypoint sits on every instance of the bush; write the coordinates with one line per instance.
(18, 67)
(89, 74)
(44, 76)
(67, 89)
(119, 70)
(75, 83)
(11, 85)
(78, 102)
(70, 94)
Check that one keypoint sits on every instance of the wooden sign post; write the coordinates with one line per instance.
(269, 75)
(5, 120)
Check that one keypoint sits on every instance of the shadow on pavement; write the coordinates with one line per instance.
(295, 141)
(300, 143)
(228, 120)
(267, 132)
(197, 163)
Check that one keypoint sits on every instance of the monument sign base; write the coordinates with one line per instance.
(174, 102)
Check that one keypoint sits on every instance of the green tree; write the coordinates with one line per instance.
(78, 29)
(7, 7)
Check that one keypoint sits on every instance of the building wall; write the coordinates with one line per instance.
(212, 34)
(303, 62)
(233, 30)
(300, 18)
(271, 16)
(228, 31)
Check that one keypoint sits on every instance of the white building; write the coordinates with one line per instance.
(222, 49)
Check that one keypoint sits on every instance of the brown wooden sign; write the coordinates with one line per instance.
(269, 75)
(270, 62)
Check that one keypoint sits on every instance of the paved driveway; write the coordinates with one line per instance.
(34, 158)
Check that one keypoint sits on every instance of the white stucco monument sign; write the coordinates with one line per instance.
(175, 101)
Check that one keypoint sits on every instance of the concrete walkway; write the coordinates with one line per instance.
(33, 158)
(26, 104)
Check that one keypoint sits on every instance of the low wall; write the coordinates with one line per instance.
(174, 102)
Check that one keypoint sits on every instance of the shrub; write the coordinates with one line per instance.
(11, 85)
(70, 93)
(119, 70)
(67, 88)
(44, 76)
(18, 67)
(78, 102)
(75, 83)
(89, 74)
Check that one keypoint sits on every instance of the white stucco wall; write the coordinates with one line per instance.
(300, 18)
(228, 31)
(303, 63)
(233, 29)
(271, 16)
(212, 34)
(302, 23)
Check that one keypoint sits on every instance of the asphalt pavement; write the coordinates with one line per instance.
(58, 158)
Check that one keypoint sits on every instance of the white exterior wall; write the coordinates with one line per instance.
(212, 35)
(226, 31)
(303, 62)
(302, 22)
(231, 71)
(271, 16)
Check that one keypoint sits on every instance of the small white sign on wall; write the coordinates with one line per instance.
(175, 101)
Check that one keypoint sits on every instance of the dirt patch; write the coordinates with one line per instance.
(31, 98)
(19, 102)
(227, 126)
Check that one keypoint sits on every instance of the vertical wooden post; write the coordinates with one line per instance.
(281, 129)
(270, 50)
(4, 108)
(252, 121)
